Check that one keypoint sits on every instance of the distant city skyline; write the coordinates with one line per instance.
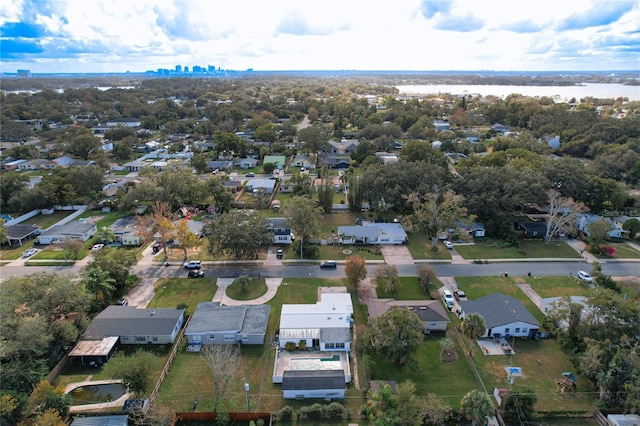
(85, 36)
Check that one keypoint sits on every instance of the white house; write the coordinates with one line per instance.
(372, 233)
(126, 231)
(325, 325)
(126, 122)
(504, 315)
(584, 221)
(76, 229)
(282, 233)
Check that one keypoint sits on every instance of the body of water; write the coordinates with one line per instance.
(559, 93)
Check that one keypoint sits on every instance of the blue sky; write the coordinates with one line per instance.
(139, 35)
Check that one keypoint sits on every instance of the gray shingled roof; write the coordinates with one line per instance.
(499, 309)
(211, 317)
(129, 321)
(312, 380)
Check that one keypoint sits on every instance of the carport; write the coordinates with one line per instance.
(19, 233)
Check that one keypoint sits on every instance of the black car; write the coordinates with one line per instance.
(196, 273)
(329, 264)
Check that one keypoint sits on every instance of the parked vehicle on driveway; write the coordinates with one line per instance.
(122, 302)
(459, 294)
(448, 244)
(279, 253)
(29, 252)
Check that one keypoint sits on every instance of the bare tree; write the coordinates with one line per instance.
(386, 276)
(223, 360)
(562, 212)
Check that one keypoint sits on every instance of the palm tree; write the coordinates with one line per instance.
(475, 406)
(100, 283)
(107, 235)
(473, 326)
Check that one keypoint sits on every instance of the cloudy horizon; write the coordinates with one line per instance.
(48, 36)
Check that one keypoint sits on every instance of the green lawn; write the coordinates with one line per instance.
(449, 381)
(539, 377)
(330, 222)
(14, 252)
(170, 292)
(343, 252)
(45, 221)
(477, 287)
(257, 288)
(623, 251)
(494, 249)
(555, 286)
(420, 247)
(409, 289)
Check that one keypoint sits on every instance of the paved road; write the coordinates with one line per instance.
(540, 268)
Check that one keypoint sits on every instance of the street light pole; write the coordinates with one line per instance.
(246, 389)
(580, 261)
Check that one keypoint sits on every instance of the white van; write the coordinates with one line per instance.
(447, 298)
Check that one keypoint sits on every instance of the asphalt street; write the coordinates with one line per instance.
(515, 268)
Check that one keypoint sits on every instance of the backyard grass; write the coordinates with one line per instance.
(45, 221)
(257, 288)
(329, 222)
(493, 249)
(542, 363)
(170, 292)
(420, 247)
(449, 381)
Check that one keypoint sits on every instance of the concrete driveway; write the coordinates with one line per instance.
(396, 255)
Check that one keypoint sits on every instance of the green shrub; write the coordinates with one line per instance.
(302, 345)
(285, 413)
(290, 346)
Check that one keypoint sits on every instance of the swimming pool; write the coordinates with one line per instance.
(316, 363)
(98, 393)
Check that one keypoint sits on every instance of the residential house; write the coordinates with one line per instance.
(621, 220)
(220, 165)
(335, 162)
(531, 229)
(286, 186)
(76, 229)
(126, 232)
(282, 233)
(245, 163)
(441, 125)
(372, 233)
(14, 165)
(503, 315)
(344, 147)
(474, 229)
(34, 164)
(232, 185)
(126, 325)
(325, 325)
(324, 384)
(306, 161)
(279, 160)
(500, 128)
(336, 183)
(436, 144)
(387, 158)
(431, 312)
(261, 186)
(585, 220)
(126, 122)
(64, 161)
(455, 157)
(212, 323)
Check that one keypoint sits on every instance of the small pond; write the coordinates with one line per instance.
(95, 394)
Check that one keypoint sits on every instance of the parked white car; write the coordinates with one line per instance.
(448, 244)
(29, 252)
